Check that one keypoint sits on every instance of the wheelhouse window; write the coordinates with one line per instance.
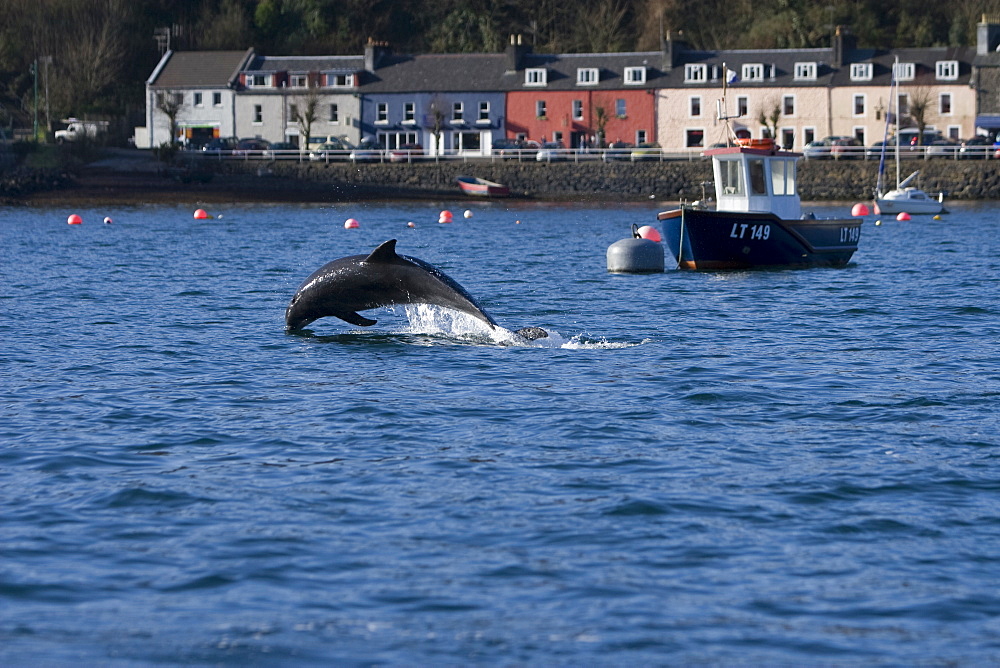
(730, 177)
(783, 177)
(535, 76)
(586, 76)
(635, 75)
(695, 73)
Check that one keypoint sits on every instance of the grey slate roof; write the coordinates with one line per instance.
(200, 69)
(471, 72)
(304, 64)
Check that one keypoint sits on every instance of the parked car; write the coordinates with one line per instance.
(646, 151)
(282, 150)
(617, 150)
(406, 153)
(847, 148)
(551, 151)
(333, 149)
(978, 147)
(507, 148)
(943, 148)
(251, 147)
(822, 148)
(369, 150)
(220, 146)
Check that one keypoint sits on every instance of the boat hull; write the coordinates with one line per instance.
(908, 201)
(709, 240)
(476, 187)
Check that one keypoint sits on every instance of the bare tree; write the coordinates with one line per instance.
(920, 106)
(171, 105)
(768, 115)
(305, 112)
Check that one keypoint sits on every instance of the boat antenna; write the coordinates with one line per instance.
(720, 105)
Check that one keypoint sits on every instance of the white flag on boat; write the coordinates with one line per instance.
(731, 76)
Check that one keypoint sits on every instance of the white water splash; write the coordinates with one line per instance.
(428, 319)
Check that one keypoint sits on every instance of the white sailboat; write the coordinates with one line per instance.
(904, 197)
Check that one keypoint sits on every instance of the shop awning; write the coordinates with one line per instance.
(988, 121)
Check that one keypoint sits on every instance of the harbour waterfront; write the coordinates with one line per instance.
(750, 468)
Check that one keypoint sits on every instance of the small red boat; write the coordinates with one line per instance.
(477, 187)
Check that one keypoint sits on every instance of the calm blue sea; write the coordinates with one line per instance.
(732, 469)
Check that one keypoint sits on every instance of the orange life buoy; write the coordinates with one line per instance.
(765, 143)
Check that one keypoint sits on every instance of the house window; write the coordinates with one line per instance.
(904, 104)
(197, 100)
(787, 138)
(805, 71)
(861, 71)
(694, 138)
(640, 137)
(557, 136)
(216, 99)
(298, 80)
(742, 105)
(695, 106)
(859, 134)
(753, 72)
(484, 112)
(535, 76)
(409, 112)
(859, 105)
(696, 73)
(258, 80)
(178, 99)
(540, 109)
(944, 103)
(293, 113)
(947, 70)
(903, 71)
(382, 112)
(620, 110)
(635, 75)
(586, 76)
(258, 114)
(808, 135)
(334, 114)
(954, 131)
(788, 105)
(340, 80)
(577, 110)
(458, 112)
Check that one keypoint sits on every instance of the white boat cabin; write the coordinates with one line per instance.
(756, 178)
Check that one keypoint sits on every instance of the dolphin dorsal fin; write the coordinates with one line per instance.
(384, 253)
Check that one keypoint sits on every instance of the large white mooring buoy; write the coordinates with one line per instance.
(635, 256)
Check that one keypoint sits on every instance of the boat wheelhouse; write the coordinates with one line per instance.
(757, 219)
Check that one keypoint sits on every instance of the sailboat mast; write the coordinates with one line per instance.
(895, 86)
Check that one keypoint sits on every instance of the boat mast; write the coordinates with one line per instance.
(895, 85)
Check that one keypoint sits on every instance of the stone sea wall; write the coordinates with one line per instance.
(819, 180)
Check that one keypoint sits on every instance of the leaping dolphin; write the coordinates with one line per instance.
(355, 283)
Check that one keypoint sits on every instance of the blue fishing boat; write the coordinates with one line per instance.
(757, 219)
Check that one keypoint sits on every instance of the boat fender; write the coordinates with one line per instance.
(635, 256)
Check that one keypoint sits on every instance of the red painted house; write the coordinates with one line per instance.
(582, 100)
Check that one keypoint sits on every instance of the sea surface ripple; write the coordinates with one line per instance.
(748, 468)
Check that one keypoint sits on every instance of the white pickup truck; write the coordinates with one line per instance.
(77, 130)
